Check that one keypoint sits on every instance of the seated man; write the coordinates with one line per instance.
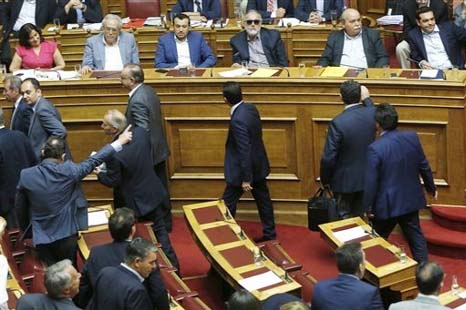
(77, 11)
(20, 12)
(183, 48)
(208, 9)
(122, 227)
(347, 291)
(272, 8)
(436, 46)
(355, 46)
(62, 283)
(260, 47)
(429, 280)
(316, 11)
(110, 50)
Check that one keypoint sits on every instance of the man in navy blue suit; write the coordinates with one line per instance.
(246, 163)
(22, 112)
(208, 9)
(272, 9)
(121, 225)
(316, 11)
(343, 163)
(347, 291)
(183, 48)
(393, 192)
(436, 46)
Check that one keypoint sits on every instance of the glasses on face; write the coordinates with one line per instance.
(249, 22)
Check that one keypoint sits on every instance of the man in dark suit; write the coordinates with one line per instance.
(343, 163)
(347, 291)
(408, 10)
(15, 155)
(77, 11)
(22, 112)
(307, 10)
(144, 111)
(62, 283)
(122, 228)
(393, 192)
(132, 171)
(45, 121)
(208, 9)
(436, 46)
(354, 46)
(246, 163)
(268, 47)
(127, 290)
(18, 13)
(50, 197)
(272, 9)
(172, 51)
(275, 302)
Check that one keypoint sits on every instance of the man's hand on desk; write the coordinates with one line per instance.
(315, 18)
(423, 64)
(86, 70)
(236, 65)
(280, 13)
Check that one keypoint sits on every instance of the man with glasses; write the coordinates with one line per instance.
(110, 50)
(257, 46)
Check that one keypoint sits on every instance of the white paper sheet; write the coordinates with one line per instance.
(234, 73)
(350, 234)
(390, 20)
(259, 281)
(429, 73)
(97, 218)
(462, 295)
(462, 307)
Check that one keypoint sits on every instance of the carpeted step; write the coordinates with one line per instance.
(450, 217)
(444, 242)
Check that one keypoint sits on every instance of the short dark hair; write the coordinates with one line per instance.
(243, 300)
(349, 256)
(25, 32)
(136, 72)
(181, 16)
(386, 116)
(121, 223)
(35, 82)
(429, 276)
(54, 147)
(350, 92)
(423, 10)
(232, 92)
(138, 248)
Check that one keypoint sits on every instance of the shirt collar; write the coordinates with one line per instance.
(134, 90)
(133, 271)
(347, 37)
(256, 38)
(350, 275)
(436, 30)
(428, 296)
(233, 108)
(352, 105)
(179, 41)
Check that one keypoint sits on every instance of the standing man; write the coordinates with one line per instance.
(15, 155)
(393, 192)
(246, 162)
(144, 111)
(22, 112)
(79, 11)
(270, 9)
(51, 201)
(343, 163)
(45, 121)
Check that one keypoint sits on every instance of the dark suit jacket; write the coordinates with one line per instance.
(210, 8)
(343, 163)
(133, 172)
(117, 288)
(452, 36)
(45, 10)
(345, 292)
(112, 254)
(93, 12)
(19, 118)
(395, 162)
(15, 155)
(43, 302)
(144, 111)
(200, 52)
(49, 195)
(410, 7)
(272, 44)
(245, 156)
(261, 7)
(45, 122)
(305, 7)
(376, 55)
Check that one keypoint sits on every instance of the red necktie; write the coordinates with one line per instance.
(270, 5)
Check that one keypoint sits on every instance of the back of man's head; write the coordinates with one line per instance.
(232, 92)
(243, 300)
(135, 72)
(57, 278)
(350, 92)
(138, 249)
(386, 116)
(429, 278)
(116, 119)
(349, 258)
(121, 224)
(54, 148)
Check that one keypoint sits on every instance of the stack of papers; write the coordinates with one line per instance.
(234, 73)
(261, 280)
(153, 21)
(97, 218)
(390, 20)
(350, 234)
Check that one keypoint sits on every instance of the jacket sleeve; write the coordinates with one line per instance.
(160, 56)
(134, 51)
(79, 171)
(243, 142)
(52, 125)
(330, 154)
(236, 54)
(22, 206)
(416, 53)
(381, 55)
(88, 55)
(371, 179)
(326, 59)
(157, 291)
(207, 56)
(424, 169)
(112, 177)
(376, 301)
(280, 52)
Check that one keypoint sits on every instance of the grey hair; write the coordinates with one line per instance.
(114, 17)
(251, 12)
(116, 119)
(139, 248)
(15, 82)
(57, 279)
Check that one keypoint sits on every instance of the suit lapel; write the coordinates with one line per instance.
(264, 40)
(192, 51)
(34, 115)
(172, 47)
(122, 47)
(365, 47)
(13, 116)
(339, 46)
(444, 38)
(420, 40)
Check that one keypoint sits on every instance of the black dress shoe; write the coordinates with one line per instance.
(262, 239)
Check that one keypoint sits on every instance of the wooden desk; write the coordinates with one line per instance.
(451, 300)
(229, 251)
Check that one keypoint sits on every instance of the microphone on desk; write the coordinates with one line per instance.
(357, 68)
(286, 69)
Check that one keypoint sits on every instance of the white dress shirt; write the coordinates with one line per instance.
(112, 56)
(436, 54)
(26, 15)
(184, 57)
(353, 52)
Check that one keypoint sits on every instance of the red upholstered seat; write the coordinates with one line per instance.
(191, 303)
(275, 252)
(175, 285)
(142, 8)
(307, 282)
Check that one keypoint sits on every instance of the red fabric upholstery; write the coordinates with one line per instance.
(142, 8)
(307, 283)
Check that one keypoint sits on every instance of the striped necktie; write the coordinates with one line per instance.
(270, 5)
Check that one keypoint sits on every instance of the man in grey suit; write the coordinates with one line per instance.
(21, 110)
(62, 283)
(429, 280)
(111, 49)
(50, 199)
(354, 46)
(45, 120)
(144, 111)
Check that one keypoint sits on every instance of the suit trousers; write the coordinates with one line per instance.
(411, 228)
(161, 171)
(261, 195)
(349, 204)
(56, 251)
